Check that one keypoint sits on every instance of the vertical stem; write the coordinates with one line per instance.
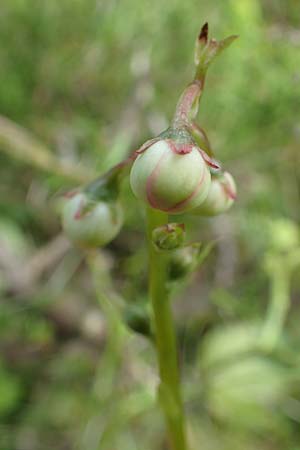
(103, 389)
(187, 106)
(169, 389)
(117, 334)
(277, 308)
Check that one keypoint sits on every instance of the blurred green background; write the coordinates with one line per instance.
(83, 83)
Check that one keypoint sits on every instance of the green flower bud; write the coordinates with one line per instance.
(90, 223)
(247, 392)
(171, 174)
(243, 387)
(169, 236)
(184, 261)
(221, 196)
(284, 235)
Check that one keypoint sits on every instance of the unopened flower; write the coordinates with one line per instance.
(171, 174)
(221, 195)
(93, 216)
(184, 261)
(169, 236)
(90, 223)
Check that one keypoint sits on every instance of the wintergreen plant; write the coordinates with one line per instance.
(173, 173)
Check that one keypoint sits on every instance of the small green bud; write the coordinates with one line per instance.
(171, 174)
(91, 223)
(221, 196)
(169, 236)
(184, 261)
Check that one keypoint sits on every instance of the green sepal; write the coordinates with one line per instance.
(200, 138)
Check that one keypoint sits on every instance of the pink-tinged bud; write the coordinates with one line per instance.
(221, 195)
(171, 175)
(90, 223)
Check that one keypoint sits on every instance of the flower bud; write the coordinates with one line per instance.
(169, 236)
(171, 174)
(93, 216)
(184, 261)
(284, 235)
(243, 387)
(91, 223)
(221, 196)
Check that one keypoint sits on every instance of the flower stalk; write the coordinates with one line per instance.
(173, 173)
(169, 393)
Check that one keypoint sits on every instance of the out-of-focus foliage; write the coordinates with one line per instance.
(91, 80)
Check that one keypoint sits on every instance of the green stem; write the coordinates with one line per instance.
(117, 333)
(169, 389)
(187, 106)
(277, 308)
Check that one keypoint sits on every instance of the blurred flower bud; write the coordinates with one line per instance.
(93, 216)
(247, 393)
(171, 173)
(184, 261)
(89, 223)
(243, 388)
(284, 235)
(221, 196)
(169, 236)
(229, 342)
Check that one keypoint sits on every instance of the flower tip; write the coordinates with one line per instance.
(203, 35)
(228, 41)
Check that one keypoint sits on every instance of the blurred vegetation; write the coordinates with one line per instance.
(83, 83)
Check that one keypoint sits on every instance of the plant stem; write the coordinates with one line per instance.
(277, 309)
(117, 333)
(169, 389)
